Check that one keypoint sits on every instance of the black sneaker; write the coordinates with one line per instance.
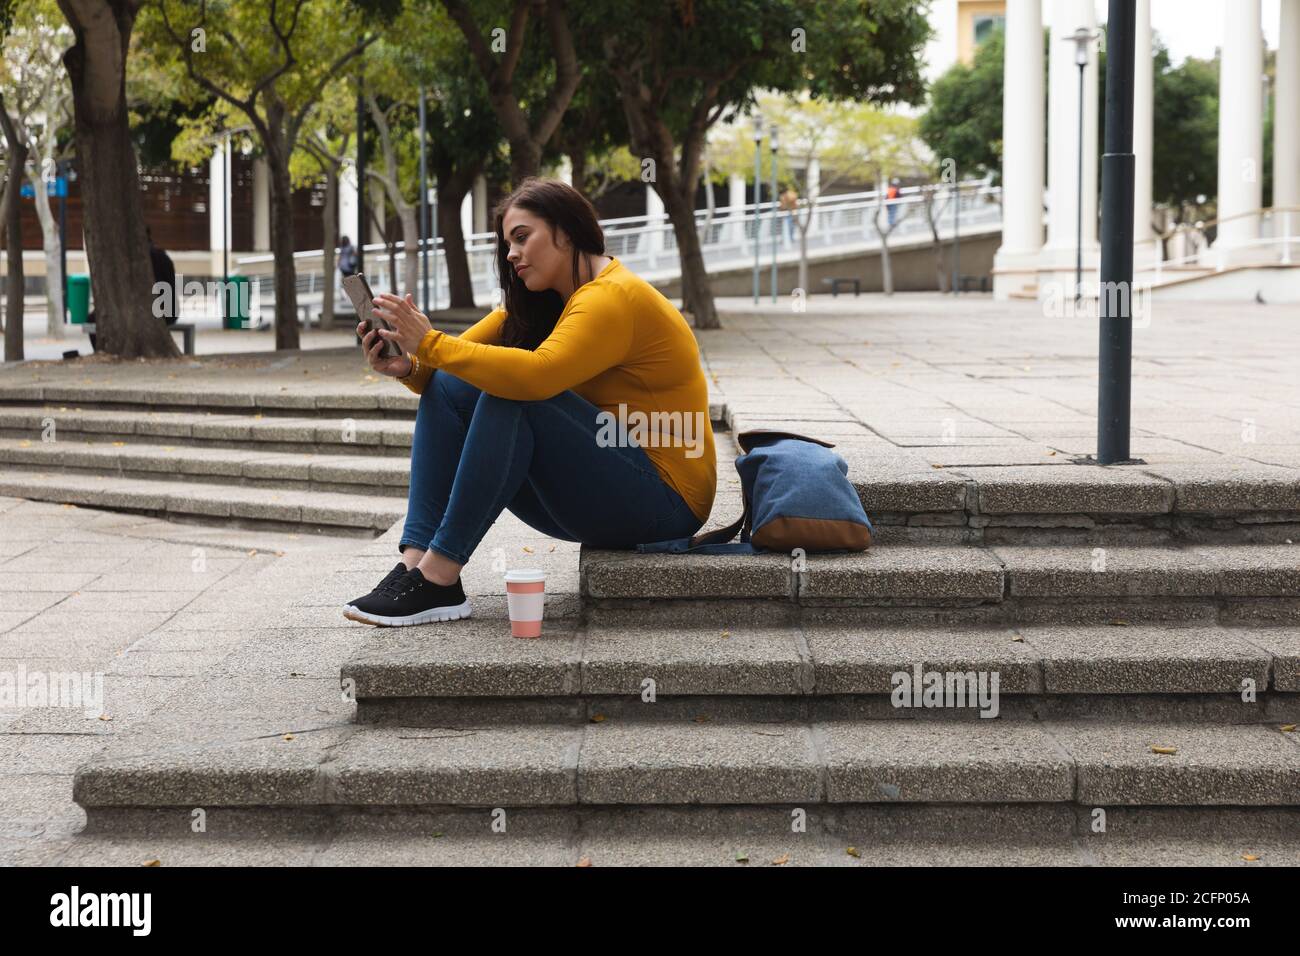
(411, 599)
(398, 571)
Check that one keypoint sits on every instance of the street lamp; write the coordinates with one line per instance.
(776, 215)
(1081, 38)
(758, 186)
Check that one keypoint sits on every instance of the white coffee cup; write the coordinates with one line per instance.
(526, 599)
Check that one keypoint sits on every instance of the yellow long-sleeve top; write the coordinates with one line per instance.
(618, 342)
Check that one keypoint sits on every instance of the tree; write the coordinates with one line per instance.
(680, 67)
(964, 121)
(498, 62)
(271, 62)
(121, 273)
(39, 100)
(1186, 160)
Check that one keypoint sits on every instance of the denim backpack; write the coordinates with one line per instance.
(797, 495)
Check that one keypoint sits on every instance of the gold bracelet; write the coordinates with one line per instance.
(415, 367)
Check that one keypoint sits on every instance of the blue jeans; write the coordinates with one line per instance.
(474, 454)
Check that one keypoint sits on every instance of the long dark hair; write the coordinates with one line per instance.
(531, 316)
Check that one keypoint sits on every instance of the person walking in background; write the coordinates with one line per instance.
(891, 206)
(789, 203)
(347, 257)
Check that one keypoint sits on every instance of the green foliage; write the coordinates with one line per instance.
(1186, 130)
(964, 122)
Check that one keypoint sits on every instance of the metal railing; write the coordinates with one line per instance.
(1277, 242)
(648, 244)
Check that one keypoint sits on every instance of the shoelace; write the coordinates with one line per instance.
(395, 585)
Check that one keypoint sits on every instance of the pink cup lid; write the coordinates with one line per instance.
(525, 576)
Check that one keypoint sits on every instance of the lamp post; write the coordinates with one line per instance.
(758, 187)
(1081, 38)
(1115, 294)
(776, 214)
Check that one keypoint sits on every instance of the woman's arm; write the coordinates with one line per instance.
(486, 330)
(586, 342)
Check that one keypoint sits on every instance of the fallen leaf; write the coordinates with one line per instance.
(1155, 749)
(1249, 857)
(105, 717)
(701, 718)
(1018, 639)
(853, 852)
(936, 466)
(1051, 454)
(1119, 623)
(781, 860)
(528, 549)
(118, 444)
(742, 856)
(253, 552)
(552, 548)
(288, 736)
(726, 634)
(152, 863)
(598, 718)
(585, 861)
(1287, 728)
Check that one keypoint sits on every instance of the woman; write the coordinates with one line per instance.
(542, 408)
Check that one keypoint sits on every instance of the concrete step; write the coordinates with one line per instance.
(840, 835)
(347, 474)
(378, 398)
(1084, 763)
(617, 667)
(333, 436)
(317, 512)
(1228, 582)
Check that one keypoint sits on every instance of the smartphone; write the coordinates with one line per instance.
(363, 300)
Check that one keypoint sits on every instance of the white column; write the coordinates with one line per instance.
(654, 210)
(736, 202)
(1015, 265)
(348, 203)
(1241, 125)
(467, 214)
(216, 205)
(1145, 250)
(1286, 118)
(261, 205)
(1063, 206)
(564, 172)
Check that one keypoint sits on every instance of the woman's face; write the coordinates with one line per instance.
(539, 254)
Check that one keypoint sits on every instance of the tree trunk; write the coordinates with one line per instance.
(329, 236)
(14, 244)
(697, 297)
(578, 170)
(53, 264)
(122, 274)
(286, 278)
(4, 229)
(453, 184)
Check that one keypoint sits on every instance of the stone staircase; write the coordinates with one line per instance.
(1142, 626)
(325, 463)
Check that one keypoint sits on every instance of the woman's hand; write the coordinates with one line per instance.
(398, 367)
(410, 323)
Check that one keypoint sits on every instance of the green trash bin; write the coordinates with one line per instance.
(235, 302)
(78, 291)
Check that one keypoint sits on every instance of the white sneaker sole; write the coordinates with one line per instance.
(451, 613)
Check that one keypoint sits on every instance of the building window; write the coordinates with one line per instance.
(985, 25)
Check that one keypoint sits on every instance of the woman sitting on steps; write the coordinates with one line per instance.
(542, 407)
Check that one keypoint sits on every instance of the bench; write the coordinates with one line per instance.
(836, 282)
(980, 283)
(186, 329)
